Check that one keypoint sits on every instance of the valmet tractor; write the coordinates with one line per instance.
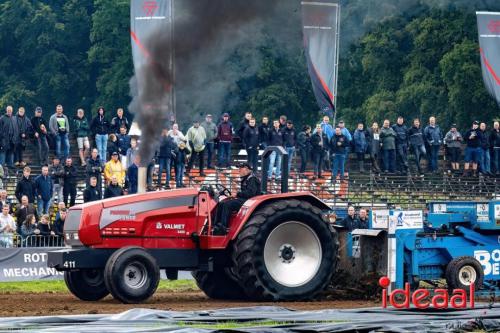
(278, 246)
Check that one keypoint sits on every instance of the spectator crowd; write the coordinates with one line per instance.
(108, 155)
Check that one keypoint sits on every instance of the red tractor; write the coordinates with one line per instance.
(278, 246)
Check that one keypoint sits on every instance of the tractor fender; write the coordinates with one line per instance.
(252, 205)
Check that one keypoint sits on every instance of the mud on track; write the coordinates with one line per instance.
(22, 304)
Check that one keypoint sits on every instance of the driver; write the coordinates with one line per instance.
(250, 187)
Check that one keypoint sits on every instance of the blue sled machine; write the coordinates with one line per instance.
(457, 243)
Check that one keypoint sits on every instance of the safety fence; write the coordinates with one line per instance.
(13, 240)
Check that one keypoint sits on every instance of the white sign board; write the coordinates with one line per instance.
(439, 208)
(497, 212)
(483, 212)
(380, 219)
(407, 219)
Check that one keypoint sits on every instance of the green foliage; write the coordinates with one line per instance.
(417, 66)
(399, 57)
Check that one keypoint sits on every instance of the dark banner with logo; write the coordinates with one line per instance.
(147, 17)
(321, 35)
(489, 41)
(26, 264)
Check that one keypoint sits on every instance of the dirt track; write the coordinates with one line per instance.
(18, 304)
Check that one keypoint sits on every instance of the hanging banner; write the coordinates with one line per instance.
(147, 17)
(320, 21)
(489, 41)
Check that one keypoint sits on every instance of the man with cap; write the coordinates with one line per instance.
(211, 132)
(114, 168)
(40, 128)
(453, 140)
(250, 187)
(473, 138)
(225, 137)
(196, 137)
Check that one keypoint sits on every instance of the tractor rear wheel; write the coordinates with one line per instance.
(219, 284)
(86, 284)
(286, 251)
(463, 271)
(131, 275)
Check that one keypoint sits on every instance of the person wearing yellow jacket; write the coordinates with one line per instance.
(114, 168)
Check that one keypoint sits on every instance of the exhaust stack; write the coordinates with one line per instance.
(142, 180)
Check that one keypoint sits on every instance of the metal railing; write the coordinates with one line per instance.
(14, 240)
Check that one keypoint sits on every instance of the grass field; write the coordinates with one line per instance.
(59, 286)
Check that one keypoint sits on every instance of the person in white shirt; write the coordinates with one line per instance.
(176, 134)
(7, 227)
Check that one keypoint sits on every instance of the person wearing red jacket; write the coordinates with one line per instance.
(225, 137)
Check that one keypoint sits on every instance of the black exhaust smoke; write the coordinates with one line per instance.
(206, 31)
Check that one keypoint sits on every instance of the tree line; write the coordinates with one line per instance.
(77, 53)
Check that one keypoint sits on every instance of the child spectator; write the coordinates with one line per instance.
(46, 232)
(181, 159)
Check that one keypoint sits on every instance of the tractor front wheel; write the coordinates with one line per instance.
(463, 271)
(286, 251)
(131, 275)
(86, 284)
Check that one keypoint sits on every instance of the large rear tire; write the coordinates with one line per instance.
(86, 284)
(219, 284)
(131, 275)
(286, 251)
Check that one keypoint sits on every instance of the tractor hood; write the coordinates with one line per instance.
(84, 222)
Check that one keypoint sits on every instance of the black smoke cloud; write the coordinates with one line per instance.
(207, 32)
